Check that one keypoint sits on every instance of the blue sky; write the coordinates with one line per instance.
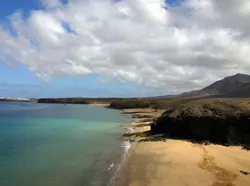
(19, 81)
(120, 48)
(10, 6)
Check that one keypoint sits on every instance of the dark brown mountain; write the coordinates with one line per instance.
(241, 92)
(226, 85)
(232, 86)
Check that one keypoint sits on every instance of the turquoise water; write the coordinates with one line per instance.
(59, 145)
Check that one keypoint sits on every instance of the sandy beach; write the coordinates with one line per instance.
(100, 104)
(177, 162)
(181, 163)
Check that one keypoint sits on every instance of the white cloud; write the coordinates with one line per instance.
(144, 41)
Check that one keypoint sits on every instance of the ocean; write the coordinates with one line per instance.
(60, 145)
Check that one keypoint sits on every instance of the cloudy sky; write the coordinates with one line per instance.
(120, 47)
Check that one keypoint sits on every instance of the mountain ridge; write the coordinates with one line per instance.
(237, 85)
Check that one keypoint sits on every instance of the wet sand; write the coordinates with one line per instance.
(180, 163)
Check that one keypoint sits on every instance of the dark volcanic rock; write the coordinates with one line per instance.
(64, 100)
(217, 122)
(130, 103)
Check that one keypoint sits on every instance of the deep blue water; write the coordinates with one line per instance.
(58, 145)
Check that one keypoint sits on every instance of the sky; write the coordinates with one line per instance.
(120, 48)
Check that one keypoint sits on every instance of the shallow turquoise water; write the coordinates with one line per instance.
(58, 145)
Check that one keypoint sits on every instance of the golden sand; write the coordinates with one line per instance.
(180, 163)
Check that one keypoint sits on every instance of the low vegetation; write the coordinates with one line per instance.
(157, 104)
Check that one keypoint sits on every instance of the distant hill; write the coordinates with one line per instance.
(190, 94)
(163, 97)
(232, 86)
(226, 85)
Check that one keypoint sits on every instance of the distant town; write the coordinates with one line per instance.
(15, 99)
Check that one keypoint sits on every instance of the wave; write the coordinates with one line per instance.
(126, 145)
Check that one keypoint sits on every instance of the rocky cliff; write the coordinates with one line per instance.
(218, 121)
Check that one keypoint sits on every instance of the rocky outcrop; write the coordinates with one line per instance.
(130, 103)
(215, 121)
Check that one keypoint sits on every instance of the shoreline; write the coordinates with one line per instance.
(100, 104)
(158, 163)
(127, 143)
(139, 124)
(114, 167)
(149, 162)
(169, 162)
(141, 119)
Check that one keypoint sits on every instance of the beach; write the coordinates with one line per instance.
(180, 163)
